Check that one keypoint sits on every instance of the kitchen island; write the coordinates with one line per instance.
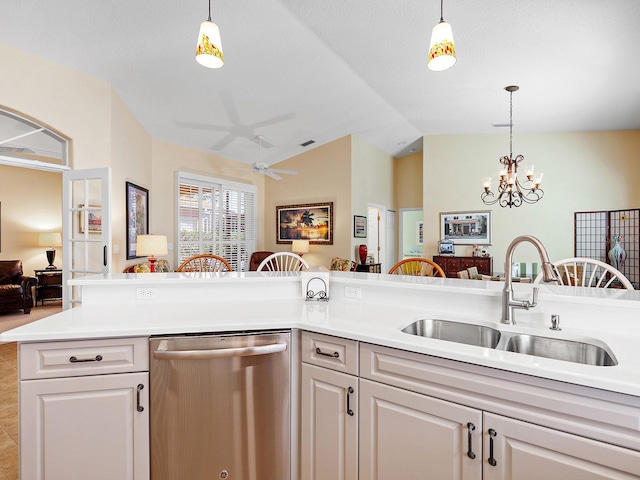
(590, 402)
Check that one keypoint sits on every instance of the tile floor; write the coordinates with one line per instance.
(8, 412)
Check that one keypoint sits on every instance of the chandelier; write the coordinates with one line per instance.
(511, 191)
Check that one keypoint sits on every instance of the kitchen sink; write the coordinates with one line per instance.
(536, 345)
(561, 349)
(450, 331)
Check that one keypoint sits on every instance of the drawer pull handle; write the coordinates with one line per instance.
(140, 408)
(492, 434)
(349, 393)
(334, 354)
(75, 359)
(470, 427)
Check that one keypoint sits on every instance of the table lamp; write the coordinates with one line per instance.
(51, 239)
(300, 246)
(151, 245)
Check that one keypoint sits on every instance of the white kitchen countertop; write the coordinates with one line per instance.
(250, 301)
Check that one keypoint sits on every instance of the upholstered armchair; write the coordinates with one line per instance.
(16, 289)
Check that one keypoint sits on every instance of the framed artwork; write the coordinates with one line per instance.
(466, 228)
(359, 226)
(311, 221)
(137, 202)
(94, 223)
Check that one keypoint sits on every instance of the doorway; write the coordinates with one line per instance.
(380, 235)
(410, 243)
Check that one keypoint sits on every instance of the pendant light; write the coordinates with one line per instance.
(209, 46)
(442, 50)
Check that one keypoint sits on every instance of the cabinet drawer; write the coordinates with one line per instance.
(83, 357)
(50, 279)
(336, 353)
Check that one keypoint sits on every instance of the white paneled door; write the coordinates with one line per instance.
(86, 227)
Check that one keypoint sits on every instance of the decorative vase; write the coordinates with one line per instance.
(617, 254)
(362, 252)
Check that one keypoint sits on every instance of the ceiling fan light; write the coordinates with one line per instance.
(209, 47)
(442, 50)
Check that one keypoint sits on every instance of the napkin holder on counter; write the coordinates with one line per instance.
(315, 283)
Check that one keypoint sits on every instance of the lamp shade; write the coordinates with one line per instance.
(300, 246)
(442, 50)
(50, 239)
(147, 245)
(209, 47)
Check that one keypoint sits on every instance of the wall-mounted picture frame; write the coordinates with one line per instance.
(359, 226)
(466, 228)
(94, 218)
(137, 202)
(309, 221)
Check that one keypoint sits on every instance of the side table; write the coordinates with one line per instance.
(49, 285)
(369, 267)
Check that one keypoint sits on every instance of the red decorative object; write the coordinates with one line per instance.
(362, 252)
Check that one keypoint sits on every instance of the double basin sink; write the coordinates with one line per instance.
(527, 344)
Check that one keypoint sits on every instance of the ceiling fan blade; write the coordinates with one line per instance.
(226, 98)
(270, 173)
(265, 144)
(201, 126)
(222, 144)
(288, 172)
(271, 121)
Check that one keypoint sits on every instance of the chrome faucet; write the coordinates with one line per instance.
(509, 304)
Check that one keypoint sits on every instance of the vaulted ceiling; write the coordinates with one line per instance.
(299, 70)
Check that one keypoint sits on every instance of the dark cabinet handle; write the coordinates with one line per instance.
(75, 359)
(334, 354)
(350, 391)
(491, 460)
(470, 427)
(140, 408)
(104, 255)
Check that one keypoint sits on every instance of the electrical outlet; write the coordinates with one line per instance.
(352, 292)
(146, 293)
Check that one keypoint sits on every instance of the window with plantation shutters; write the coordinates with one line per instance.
(216, 216)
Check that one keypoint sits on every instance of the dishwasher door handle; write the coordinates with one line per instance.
(219, 353)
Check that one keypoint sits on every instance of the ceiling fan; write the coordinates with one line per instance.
(263, 168)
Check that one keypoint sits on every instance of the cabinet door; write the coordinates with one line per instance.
(85, 428)
(407, 435)
(522, 451)
(329, 443)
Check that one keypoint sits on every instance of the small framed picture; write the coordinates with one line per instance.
(359, 226)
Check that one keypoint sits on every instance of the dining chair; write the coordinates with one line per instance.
(422, 267)
(587, 272)
(283, 262)
(464, 274)
(205, 263)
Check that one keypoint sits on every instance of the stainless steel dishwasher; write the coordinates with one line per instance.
(220, 406)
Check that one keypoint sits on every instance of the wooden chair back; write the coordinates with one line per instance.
(422, 267)
(205, 263)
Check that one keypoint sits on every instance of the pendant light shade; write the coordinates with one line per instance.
(209, 47)
(442, 50)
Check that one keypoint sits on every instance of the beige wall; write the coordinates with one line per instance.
(30, 203)
(324, 175)
(407, 172)
(169, 159)
(104, 133)
(583, 171)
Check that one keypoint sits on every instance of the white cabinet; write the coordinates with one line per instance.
(407, 435)
(329, 411)
(329, 430)
(515, 450)
(74, 427)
